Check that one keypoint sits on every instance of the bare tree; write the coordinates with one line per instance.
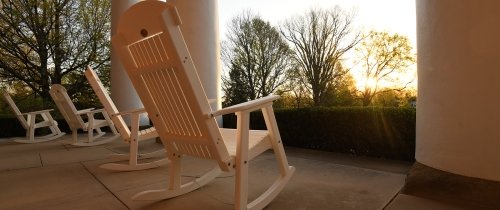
(296, 89)
(320, 38)
(257, 58)
(384, 57)
(50, 42)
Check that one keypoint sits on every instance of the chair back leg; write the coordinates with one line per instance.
(74, 135)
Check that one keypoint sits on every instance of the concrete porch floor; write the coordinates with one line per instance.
(56, 175)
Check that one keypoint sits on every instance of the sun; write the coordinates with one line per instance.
(364, 83)
(407, 79)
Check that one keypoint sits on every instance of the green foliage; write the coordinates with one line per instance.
(316, 75)
(293, 100)
(383, 56)
(257, 59)
(342, 92)
(378, 132)
(45, 42)
(25, 101)
(235, 89)
(395, 98)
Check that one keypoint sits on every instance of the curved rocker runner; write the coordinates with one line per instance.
(158, 63)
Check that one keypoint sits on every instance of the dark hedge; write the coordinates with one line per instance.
(10, 127)
(376, 132)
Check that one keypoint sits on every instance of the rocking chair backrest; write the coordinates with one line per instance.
(14, 108)
(66, 107)
(162, 71)
(108, 104)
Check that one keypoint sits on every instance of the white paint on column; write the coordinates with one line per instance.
(458, 110)
(200, 28)
(122, 91)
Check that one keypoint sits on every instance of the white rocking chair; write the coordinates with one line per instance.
(29, 123)
(132, 136)
(162, 71)
(75, 121)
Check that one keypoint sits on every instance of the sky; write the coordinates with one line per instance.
(393, 16)
(397, 16)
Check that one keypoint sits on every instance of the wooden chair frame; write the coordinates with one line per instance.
(29, 122)
(158, 62)
(75, 121)
(132, 136)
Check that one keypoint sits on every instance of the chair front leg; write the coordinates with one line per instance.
(90, 127)
(74, 135)
(276, 142)
(134, 139)
(175, 172)
(241, 179)
(30, 133)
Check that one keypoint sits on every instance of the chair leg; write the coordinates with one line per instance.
(134, 138)
(175, 172)
(31, 127)
(241, 187)
(241, 179)
(74, 135)
(90, 135)
(52, 126)
(286, 171)
(30, 134)
(133, 150)
(276, 142)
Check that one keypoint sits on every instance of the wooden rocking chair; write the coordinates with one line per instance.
(162, 71)
(132, 136)
(29, 123)
(75, 121)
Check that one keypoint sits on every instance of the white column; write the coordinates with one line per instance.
(200, 28)
(458, 110)
(122, 91)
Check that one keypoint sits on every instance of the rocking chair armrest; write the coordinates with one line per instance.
(131, 112)
(38, 112)
(84, 111)
(246, 106)
(91, 112)
(96, 111)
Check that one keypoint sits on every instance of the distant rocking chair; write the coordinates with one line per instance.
(75, 121)
(132, 136)
(158, 63)
(29, 123)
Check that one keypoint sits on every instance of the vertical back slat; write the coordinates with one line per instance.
(165, 86)
(183, 107)
(164, 75)
(176, 107)
(188, 112)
